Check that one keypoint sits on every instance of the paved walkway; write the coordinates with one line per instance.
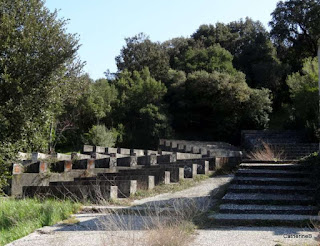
(109, 230)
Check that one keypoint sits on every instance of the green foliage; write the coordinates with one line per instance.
(254, 54)
(7, 157)
(141, 109)
(141, 52)
(100, 136)
(296, 30)
(304, 94)
(219, 103)
(36, 55)
(213, 58)
(19, 218)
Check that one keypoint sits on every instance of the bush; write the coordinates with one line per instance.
(7, 157)
(101, 136)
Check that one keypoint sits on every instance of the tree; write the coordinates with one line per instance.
(141, 52)
(254, 54)
(304, 94)
(220, 104)
(296, 30)
(141, 108)
(99, 135)
(36, 55)
(213, 58)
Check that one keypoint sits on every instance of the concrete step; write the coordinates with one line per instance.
(272, 173)
(249, 161)
(267, 199)
(270, 181)
(271, 166)
(267, 209)
(263, 219)
(271, 189)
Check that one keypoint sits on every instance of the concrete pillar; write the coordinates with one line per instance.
(67, 166)
(17, 169)
(194, 170)
(90, 164)
(152, 160)
(113, 161)
(173, 157)
(180, 147)
(151, 182)
(133, 161)
(43, 167)
(87, 148)
(166, 177)
(113, 192)
(181, 173)
(133, 187)
(206, 167)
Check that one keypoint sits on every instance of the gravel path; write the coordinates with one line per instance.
(105, 229)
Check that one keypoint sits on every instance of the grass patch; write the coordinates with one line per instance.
(19, 218)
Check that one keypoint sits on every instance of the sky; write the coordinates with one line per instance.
(102, 25)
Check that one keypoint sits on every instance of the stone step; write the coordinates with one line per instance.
(270, 181)
(267, 199)
(271, 189)
(267, 209)
(272, 173)
(271, 166)
(249, 161)
(263, 219)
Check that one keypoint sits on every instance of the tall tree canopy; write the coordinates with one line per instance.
(36, 57)
(296, 30)
(141, 52)
(254, 54)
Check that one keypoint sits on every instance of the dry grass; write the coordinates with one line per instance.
(153, 225)
(267, 153)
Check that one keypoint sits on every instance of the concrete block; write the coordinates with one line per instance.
(181, 173)
(161, 142)
(61, 157)
(180, 147)
(187, 148)
(36, 156)
(67, 166)
(77, 156)
(151, 182)
(24, 156)
(194, 170)
(90, 164)
(173, 146)
(194, 149)
(110, 150)
(99, 156)
(203, 151)
(43, 167)
(113, 192)
(17, 169)
(139, 152)
(206, 167)
(87, 148)
(123, 151)
(166, 177)
(133, 187)
(99, 149)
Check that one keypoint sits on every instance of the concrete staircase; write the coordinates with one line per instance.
(268, 194)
